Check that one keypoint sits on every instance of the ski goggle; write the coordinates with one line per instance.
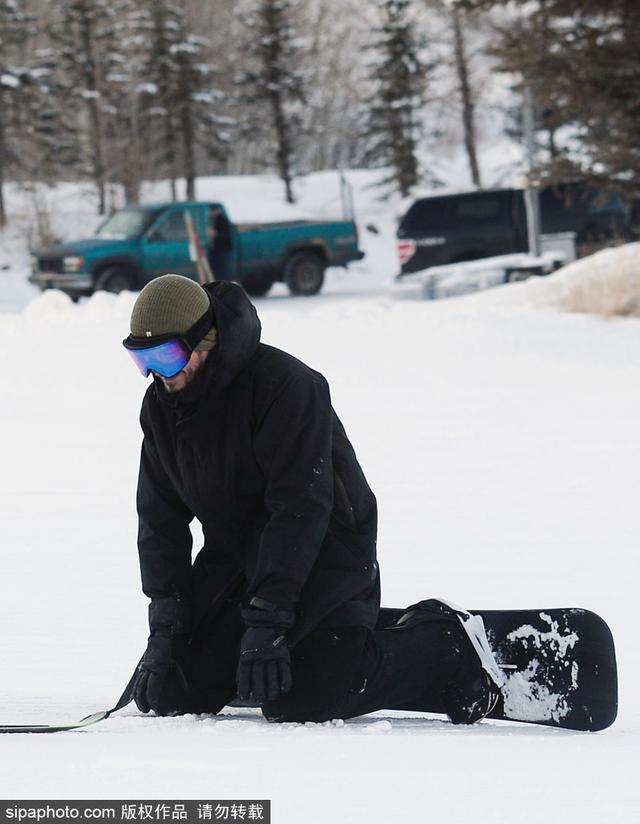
(167, 354)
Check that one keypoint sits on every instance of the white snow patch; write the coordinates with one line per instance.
(526, 696)
(529, 700)
(552, 641)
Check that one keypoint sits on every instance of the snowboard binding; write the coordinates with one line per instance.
(472, 691)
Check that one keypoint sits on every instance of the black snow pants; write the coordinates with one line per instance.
(337, 672)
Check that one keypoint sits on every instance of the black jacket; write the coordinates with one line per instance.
(253, 449)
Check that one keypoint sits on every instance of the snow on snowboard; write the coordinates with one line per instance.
(559, 666)
(559, 670)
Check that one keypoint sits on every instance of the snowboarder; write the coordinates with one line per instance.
(279, 607)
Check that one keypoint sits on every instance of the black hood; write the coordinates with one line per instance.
(239, 331)
(238, 328)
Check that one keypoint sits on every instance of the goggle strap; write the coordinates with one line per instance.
(191, 337)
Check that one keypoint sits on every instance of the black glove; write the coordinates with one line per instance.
(264, 669)
(169, 624)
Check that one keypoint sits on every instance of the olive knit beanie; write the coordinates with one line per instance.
(171, 305)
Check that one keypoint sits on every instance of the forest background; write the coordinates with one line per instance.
(117, 92)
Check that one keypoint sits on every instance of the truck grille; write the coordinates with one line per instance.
(50, 265)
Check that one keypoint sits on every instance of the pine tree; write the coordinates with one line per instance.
(14, 32)
(581, 61)
(197, 120)
(182, 99)
(157, 19)
(398, 77)
(272, 86)
(84, 40)
(35, 141)
(127, 98)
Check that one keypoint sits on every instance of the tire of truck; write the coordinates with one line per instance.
(304, 273)
(257, 285)
(115, 280)
(516, 275)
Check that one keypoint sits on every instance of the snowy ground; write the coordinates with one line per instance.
(502, 442)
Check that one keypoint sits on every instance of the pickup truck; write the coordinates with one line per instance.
(138, 243)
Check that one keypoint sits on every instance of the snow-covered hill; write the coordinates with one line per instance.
(502, 443)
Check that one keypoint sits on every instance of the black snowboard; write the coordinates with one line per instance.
(559, 664)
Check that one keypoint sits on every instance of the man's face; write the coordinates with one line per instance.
(178, 382)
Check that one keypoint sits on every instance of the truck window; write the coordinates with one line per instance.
(477, 209)
(171, 228)
(578, 199)
(127, 223)
(603, 204)
(563, 200)
(425, 216)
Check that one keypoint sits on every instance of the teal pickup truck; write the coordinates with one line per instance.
(138, 243)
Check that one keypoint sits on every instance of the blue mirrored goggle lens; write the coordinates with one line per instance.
(167, 359)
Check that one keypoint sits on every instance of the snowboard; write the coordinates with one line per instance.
(559, 666)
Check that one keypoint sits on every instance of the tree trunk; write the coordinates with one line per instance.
(462, 68)
(271, 61)
(171, 162)
(188, 149)
(95, 120)
(161, 48)
(3, 213)
(283, 151)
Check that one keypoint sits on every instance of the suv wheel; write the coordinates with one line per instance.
(115, 280)
(304, 273)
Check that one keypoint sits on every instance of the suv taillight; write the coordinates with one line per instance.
(406, 250)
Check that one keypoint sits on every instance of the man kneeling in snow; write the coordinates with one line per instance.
(280, 606)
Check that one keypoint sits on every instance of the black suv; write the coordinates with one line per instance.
(453, 228)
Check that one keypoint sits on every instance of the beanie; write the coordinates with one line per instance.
(171, 305)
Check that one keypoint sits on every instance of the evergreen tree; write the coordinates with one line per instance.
(182, 100)
(14, 32)
(581, 61)
(197, 100)
(35, 141)
(127, 98)
(272, 86)
(398, 79)
(83, 37)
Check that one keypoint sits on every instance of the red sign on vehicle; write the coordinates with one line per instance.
(406, 250)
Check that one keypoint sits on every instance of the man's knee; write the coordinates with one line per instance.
(324, 666)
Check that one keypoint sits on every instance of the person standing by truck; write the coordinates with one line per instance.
(280, 606)
(220, 244)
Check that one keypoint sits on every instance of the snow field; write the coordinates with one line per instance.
(502, 444)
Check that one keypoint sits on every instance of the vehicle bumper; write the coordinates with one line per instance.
(346, 259)
(70, 283)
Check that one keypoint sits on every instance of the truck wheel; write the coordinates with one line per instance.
(304, 273)
(257, 285)
(115, 280)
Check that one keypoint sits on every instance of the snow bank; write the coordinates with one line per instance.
(606, 283)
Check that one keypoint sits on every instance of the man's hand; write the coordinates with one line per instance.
(168, 621)
(264, 668)
(157, 664)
